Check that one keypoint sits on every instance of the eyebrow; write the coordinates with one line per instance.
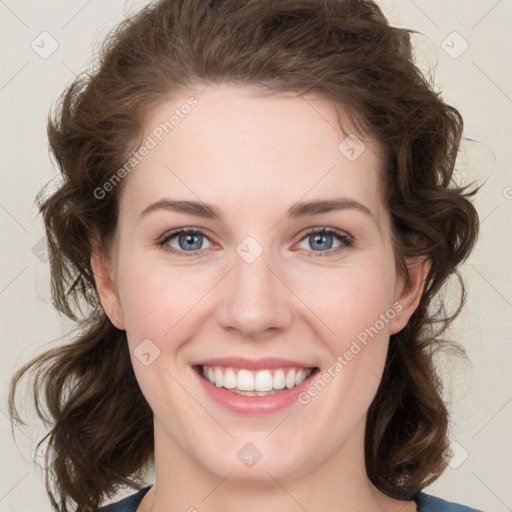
(297, 210)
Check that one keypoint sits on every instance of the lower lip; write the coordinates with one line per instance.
(256, 405)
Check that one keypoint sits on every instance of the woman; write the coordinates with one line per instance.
(215, 149)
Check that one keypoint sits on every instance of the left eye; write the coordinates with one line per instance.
(321, 241)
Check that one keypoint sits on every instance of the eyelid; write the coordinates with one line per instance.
(163, 240)
(346, 239)
(325, 229)
(179, 231)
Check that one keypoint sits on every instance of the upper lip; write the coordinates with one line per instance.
(252, 364)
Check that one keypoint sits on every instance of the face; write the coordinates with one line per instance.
(266, 286)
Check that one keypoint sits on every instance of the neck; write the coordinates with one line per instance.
(340, 483)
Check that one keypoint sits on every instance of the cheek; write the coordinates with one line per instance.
(355, 312)
(155, 298)
(158, 303)
(354, 308)
(350, 299)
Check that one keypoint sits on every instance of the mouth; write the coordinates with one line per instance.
(255, 383)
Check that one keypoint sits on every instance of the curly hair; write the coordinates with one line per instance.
(345, 51)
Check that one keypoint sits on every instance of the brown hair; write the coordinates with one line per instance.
(342, 50)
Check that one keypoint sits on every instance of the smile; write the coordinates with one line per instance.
(253, 386)
(255, 383)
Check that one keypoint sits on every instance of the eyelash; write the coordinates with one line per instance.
(347, 241)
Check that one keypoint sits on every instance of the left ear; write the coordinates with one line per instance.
(408, 292)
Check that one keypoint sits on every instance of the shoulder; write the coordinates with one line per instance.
(429, 503)
(128, 504)
(425, 502)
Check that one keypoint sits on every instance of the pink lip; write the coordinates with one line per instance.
(253, 405)
(252, 364)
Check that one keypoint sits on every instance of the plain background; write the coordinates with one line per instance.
(477, 80)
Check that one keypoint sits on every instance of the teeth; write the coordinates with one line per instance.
(290, 379)
(229, 379)
(300, 376)
(255, 383)
(263, 381)
(245, 381)
(279, 380)
(219, 377)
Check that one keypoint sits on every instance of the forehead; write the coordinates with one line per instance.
(231, 144)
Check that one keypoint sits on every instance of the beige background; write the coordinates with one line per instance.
(477, 80)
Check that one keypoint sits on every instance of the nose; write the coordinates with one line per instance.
(256, 300)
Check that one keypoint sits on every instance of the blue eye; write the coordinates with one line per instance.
(321, 240)
(190, 241)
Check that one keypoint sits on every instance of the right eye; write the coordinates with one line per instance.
(184, 239)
